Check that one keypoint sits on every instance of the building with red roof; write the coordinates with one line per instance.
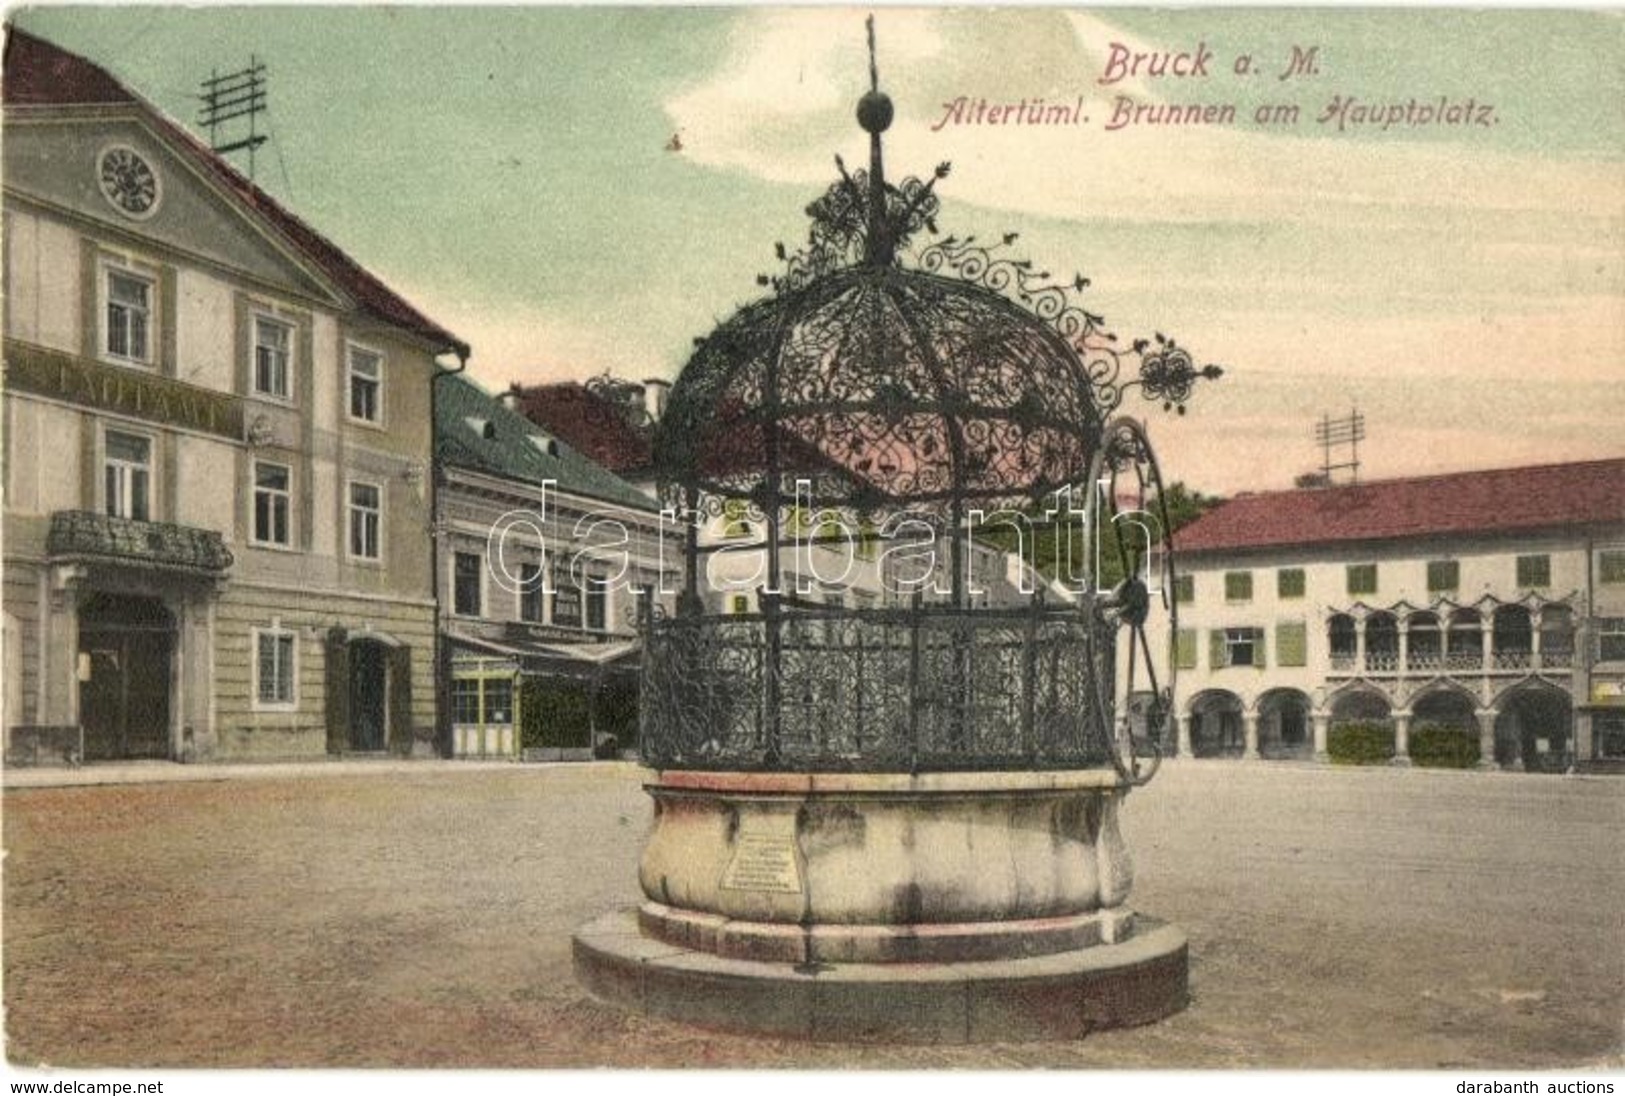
(219, 443)
(1473, 615)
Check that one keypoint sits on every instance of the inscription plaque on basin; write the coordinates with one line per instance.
(763, 863)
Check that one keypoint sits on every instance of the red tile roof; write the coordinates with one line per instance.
(39, 74)
(589, 424)
(1500, 500)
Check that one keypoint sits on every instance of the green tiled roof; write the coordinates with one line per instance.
(462, 412)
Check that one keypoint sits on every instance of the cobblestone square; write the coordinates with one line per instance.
(420, 916)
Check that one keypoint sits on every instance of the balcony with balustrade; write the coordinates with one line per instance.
(1508, 640)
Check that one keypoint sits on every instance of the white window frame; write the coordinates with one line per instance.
(254, 504)
(276, 632)
(255, 319)
(1251, 637)
(109, 270)
(353, 511)
(127, 468)
(351, 349)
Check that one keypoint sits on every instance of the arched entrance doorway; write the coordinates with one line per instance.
(1534, 729)
(1216, 729)
(1283, 725)
(126, 646)
(369, 693)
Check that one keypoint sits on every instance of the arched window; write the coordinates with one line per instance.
(1464, 643)
(1424, 647)
(1341, 641)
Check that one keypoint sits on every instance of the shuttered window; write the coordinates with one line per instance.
(1185, 649)
(1443, 574)
(1534, 571)
(1291, 644)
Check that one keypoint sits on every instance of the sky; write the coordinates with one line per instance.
(508, 171)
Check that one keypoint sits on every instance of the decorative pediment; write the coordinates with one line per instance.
(124, 174)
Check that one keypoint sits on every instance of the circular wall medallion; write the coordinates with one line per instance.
(128, 182)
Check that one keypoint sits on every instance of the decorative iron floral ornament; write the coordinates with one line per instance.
(882, 378)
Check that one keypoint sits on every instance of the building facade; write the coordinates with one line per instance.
(546, 562)
(217, 451)
(1491, 603)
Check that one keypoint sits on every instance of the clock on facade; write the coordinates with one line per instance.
(128, 181)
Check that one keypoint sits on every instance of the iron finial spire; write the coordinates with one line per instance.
(875, 115)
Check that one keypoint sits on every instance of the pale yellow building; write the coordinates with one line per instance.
(1491, 602)
(218, 440)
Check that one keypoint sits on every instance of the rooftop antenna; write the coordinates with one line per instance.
(235, 95)
(1340, 434)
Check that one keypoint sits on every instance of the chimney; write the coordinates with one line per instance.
(655, 392)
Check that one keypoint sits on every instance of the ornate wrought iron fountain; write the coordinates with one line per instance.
(844, 789)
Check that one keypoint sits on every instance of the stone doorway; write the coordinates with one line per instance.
(126, 649)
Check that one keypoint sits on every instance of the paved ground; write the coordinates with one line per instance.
(420, 916)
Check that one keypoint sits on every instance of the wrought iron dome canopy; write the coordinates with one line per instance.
(947, 376)
(878, 377)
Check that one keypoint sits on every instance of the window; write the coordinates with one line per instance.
(498, 700)
(530, 592)
(1611, 639)
(1342, 638)
(366, 385)
(477, 700)
(1289, 583)
(272, 489)
(1184, 589)
(597, 602)
(1185, 649)
(1236, 647)
(465, 596)
(273, 343)
(1611, 566)
(1534, 571)
(1362, 578)
(465, 700)
(739, 603)
(366, 514)
(129, 317)
(127, 472)
(1238, 586)
(1291, 644)
(1443, 574)
(1608, 732)
(273, 668)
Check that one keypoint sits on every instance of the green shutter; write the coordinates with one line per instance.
(1259, 639)
(1215, 649)
(1362, 578)
(1185, 649)
(1443, 574)
(1184, 589)
(1238, 586)
(337, 673)
(401, 731)
(1289, 582)
(1291, 644)
(1534, 571)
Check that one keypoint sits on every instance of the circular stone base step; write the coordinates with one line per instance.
(1061, 996)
